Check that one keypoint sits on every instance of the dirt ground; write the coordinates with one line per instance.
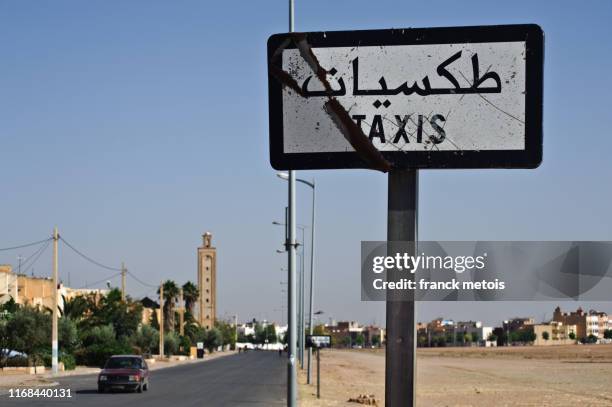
(518, 376)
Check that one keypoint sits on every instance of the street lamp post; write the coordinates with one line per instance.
(312, 257)
(300, 294)
(290, 247)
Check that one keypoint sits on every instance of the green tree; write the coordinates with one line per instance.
(376, 340)
(76, 308)
(195, 333)
(28, 331)
(360, 340)
(347, 341)
(171, 292)
(572, 336)
(421, 341)
(213, 339)
(99, 343)
(271, 334)
(171, 343)
(527, 336)
(545, 335)
(7, 311)
(68, 336)
(228, 331)
(260, 334)
(146, 339)
(153, 320)
(492, 338)
(125, 317)
(185, 345)
(190, 296)
(10, 306)
(608, 334)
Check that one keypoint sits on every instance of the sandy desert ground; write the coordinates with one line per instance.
(518, 376)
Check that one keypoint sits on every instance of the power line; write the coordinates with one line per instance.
(140, 281)
(100, 281)
(26, 245)
(35, 256)
(89, 259)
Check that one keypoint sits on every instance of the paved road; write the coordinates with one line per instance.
(247, 379)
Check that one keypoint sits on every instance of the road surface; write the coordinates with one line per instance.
(255, 378)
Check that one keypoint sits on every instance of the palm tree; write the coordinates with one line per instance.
(171, 292)
(190, 296)
(75, 308)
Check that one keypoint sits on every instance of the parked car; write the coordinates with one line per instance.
(127, 372)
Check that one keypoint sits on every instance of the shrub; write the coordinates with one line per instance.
(17, 361)
(185, 345)
(99, 343)
(213, 339)
(68, 361)
(68, 335)
(171, 343)
(146, 339)
(96, 355)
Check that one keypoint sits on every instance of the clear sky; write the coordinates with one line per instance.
(135, 126)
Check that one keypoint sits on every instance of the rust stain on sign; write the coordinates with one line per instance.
(338, 113)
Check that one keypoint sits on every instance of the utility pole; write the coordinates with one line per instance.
(123, 272)
(161, 321)
(402, 231)
(312, 270)
(54, 347)
(235, 330)
(181, 313)
(300, 306)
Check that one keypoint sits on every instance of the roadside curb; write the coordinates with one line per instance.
(38, 380)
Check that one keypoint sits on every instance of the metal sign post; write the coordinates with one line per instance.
(400, 353)
(318, 373)
(318, 342)
(397, 101)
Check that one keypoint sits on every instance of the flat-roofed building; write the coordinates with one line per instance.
(556, 333)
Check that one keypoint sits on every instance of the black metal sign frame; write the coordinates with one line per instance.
(530, 157)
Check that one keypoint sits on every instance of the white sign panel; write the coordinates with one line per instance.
(422, 98)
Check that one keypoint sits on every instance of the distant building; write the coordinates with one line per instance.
(207, 282)
(587, 323)
(38, 291)
(149, 307)
(438, 326)
(249, 328)
(556, 332)
(345, 333)
(479, 333)
(8, 284)
(370, 332)
(518, 324)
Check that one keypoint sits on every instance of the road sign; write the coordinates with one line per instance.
(460, 97)
(318, 341)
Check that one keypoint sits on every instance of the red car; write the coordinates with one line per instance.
(129, 372)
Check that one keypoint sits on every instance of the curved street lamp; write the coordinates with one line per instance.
(285, 176)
